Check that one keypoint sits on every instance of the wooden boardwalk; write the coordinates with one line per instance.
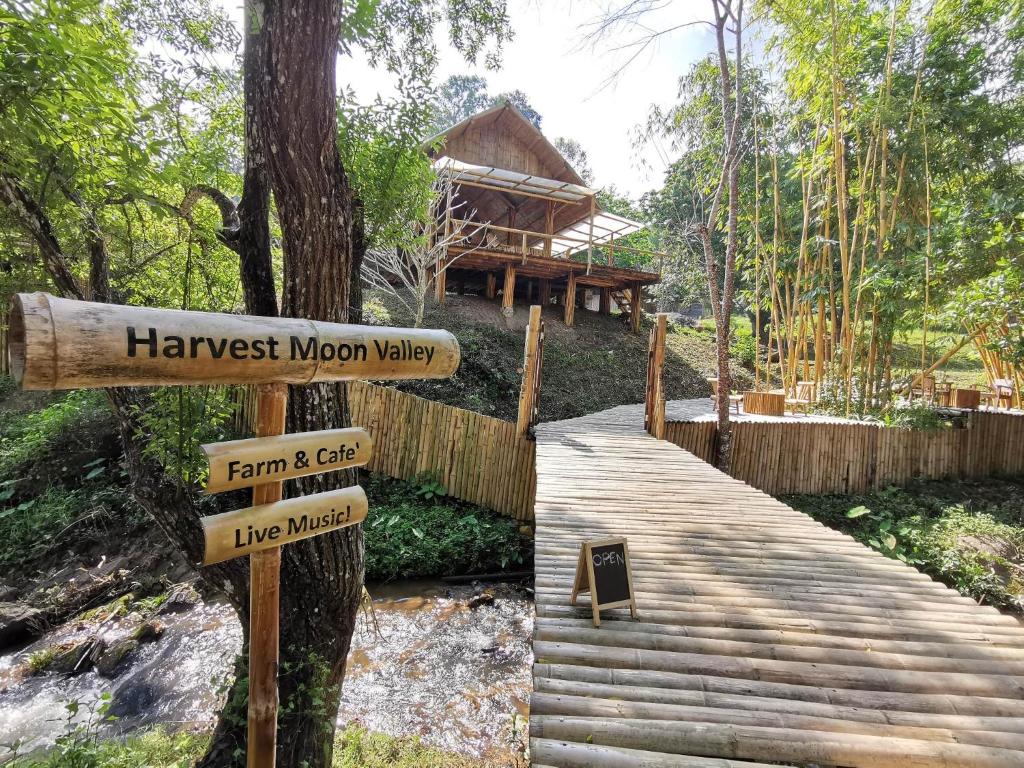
(762, 635)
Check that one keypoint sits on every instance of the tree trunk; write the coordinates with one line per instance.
(322, 577)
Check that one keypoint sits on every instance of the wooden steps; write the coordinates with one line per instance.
(762, 635)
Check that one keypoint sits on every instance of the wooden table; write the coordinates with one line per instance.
(764, 403)
(966, 398)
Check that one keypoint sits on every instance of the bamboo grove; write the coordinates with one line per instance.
(881, 178)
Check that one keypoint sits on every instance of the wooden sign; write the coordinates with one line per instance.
(243, 531)
(66, 344)
(603, 570)
(243, 463)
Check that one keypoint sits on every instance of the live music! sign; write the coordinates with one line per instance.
(243, 531)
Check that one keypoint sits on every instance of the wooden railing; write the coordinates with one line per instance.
(786, 457)
(523, 237)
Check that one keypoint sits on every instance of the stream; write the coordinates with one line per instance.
(448, 663)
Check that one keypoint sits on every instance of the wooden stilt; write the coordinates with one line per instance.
(264, 600)
(570, 299)
(654, 411)
(530, 388)
(440, 282)
(508, 290)
(635, 293)
(545, 292)
(492, 285)
(606, 301)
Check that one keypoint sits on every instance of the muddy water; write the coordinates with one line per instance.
(433, 660)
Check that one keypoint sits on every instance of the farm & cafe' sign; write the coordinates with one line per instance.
(66, 344)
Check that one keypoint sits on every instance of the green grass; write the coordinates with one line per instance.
(414, 531)
(358, 748)
(963, 369)
(968, 534)
(354, 748)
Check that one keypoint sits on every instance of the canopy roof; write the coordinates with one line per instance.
(511, 181)
(567, 238)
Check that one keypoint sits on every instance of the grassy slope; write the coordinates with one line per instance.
(594, 365)
(963, 369)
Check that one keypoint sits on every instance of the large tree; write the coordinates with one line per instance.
(96, 137)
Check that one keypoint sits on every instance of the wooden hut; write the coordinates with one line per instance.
(537, 229)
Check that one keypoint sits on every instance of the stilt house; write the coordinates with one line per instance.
(523, 223)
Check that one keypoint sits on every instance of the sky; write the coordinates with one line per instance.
(572, 84)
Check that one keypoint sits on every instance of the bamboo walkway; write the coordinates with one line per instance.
(762, 635)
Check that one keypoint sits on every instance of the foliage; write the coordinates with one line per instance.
(38, 524)
(458, 97)
(576, 156)
(177, 421)
(414, 530)
(520, 101)
(25, 437)
(967, 534)
(381, 152)
(462, 96)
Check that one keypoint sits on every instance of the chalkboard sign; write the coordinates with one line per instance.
(603, 570)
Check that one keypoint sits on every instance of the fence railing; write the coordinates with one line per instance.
(784, 457)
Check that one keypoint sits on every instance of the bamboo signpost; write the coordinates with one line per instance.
(66, 344)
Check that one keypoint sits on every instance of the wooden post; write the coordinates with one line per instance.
(634, 306)
(508, 290)
(654, 400)
(570, 299)
(492, 285)
(440, 281)
(529, 391)
(611, 252)
(606, 301)
(549, 227)
(545, 292)
(590, 237)
(264, 600)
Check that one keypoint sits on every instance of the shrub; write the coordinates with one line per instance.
(968, 535)
(414, 530)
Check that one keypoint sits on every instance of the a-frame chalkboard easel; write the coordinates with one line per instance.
(603, 570)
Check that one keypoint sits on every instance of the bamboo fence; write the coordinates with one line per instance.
(5, 363)
(780, 457)
(477, 458)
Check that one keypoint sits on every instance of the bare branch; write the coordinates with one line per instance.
(408, 274)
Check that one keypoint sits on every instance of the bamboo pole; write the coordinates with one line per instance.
(530, 383)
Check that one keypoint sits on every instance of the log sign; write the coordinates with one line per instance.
(243, 463)
(66, 344)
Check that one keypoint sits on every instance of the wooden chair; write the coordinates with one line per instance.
(806, 396)
(924, 390)
(1002, 389)
(943, 393)
(734, 400)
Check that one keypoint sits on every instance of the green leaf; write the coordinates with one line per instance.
(858, 511)
(890, 541)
